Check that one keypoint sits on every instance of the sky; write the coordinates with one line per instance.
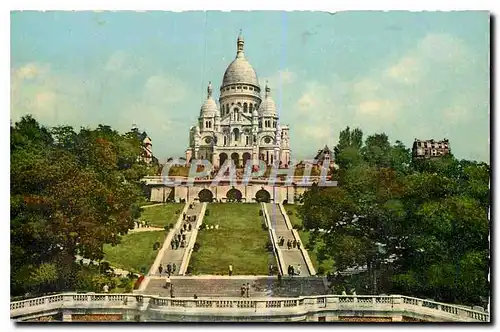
(410, 75)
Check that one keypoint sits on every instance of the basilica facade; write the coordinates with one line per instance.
(243, 125)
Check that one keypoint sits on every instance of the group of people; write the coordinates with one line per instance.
(289, 243)
(171, 268)
(292, 271)
(141, 224)
(189, 218)
(179, 240)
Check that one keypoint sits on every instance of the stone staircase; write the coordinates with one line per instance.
(230, 287)
(175, 255)
(290, 256)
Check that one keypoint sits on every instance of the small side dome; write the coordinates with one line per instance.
(209, 108)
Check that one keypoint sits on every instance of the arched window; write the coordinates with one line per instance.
(251, 108)
(245, 108)
(236, 132)
(227, 108)
(246, 140)
(239, 104)
(225, 140)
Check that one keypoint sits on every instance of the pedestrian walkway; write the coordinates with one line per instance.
(116, 271)
(145, 229)
(231, 287)
(174, 256)
(291, 256)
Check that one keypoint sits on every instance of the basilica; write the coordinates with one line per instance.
(243, 125)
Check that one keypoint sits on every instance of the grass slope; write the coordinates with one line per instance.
(135, 251)
(162, 215)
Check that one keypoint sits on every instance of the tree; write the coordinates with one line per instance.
(427, 218)
(70, 194)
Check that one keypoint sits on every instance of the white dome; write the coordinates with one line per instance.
(240, 71)
(209, 108)
(268, 107)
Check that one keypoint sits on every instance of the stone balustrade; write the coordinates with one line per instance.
(297, 180)
(390, 305)
(274, 240)
(192, 240)
(296, 236)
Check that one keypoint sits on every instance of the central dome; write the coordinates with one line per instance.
(240, 70)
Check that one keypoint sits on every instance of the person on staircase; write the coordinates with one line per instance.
(167, 282)
(298, 245)
(230, 269)
(298, 269)
(169, 268)
(294, 244)
(160, 269)
(243, 290)
(174, 267)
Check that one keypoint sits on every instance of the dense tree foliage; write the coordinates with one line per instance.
(71, 192)
(428, 219)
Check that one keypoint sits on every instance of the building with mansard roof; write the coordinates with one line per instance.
(244, 123)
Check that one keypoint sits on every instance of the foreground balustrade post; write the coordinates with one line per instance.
(260, 306)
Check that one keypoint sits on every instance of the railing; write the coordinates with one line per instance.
(393, 304)
(297, 180)
(192, 240)
(303, 251)
(165, 246)
(274, 240)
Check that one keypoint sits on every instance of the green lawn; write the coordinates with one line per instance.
(327, 264)
(135, 251)
(162, 215)
(240, 241)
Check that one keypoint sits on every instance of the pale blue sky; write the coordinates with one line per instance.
(408, 74)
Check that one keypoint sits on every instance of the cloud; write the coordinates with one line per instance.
(282, 77)
(120, 92)
(436, 89)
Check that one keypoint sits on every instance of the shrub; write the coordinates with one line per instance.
(128, 288)
(207, 212)
(264, 227)
(124, 281)
(178, 211)
(269, 246)
(285, 202)
(156, 246)
(321, 270)
(189, 270)
(260, 213)
(196, 247)
(290, 212)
